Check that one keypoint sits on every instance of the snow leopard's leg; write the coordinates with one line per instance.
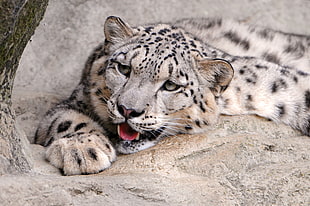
(75, 143)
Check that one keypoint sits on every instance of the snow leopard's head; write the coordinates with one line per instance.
(156, 81)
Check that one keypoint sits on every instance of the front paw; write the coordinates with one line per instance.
(84, 154)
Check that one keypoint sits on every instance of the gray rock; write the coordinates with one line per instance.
(19, 18)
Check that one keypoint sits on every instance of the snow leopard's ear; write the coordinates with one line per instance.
(217, 72)
(116, 30)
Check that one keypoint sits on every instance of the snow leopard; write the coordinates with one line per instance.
(149, 82)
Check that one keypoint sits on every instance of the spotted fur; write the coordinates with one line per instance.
(167, 79)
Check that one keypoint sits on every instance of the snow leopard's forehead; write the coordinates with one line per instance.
(161, 52)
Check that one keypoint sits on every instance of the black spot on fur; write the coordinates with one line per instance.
(266, 34)
(64, 126)
(103, 100)
(186, 77)
(234, 37)
(195, 99)
(92, 153)
(202, 107)
(163, 31)
(205, 122)
(197, 122)
(192, 43)
(249, 99)
(271, 58)
(170, 67)
(49, 142)
(249, 80)
(278, 84)
(76, 156)
(223, 56)
(307, 99)
(226, 103)
(285, 72)
(281, 110)
(101, 71)
(108, 147)
(81, 105)
(158, 39)
(148, 29)
(69, 135)
(80, 126)
(188, 127)
(98, 92)
(92, 131)
(296, 49)
(214, 53)
(216, 22)
(274, 87)
(176, 61)
(258, 66)
(51, 126)
(192, 92)
(302, 73)
(138, 46)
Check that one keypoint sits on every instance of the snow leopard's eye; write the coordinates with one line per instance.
(170, 86)
(124, 69)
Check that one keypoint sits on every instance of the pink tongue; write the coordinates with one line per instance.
(126, 132)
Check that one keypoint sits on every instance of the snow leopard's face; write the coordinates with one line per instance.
(158, 83)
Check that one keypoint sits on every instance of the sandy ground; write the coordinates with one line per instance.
(242, 161)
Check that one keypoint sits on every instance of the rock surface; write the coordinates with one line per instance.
(244, 160)
(18, 21)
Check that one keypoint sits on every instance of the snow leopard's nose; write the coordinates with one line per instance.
(128, 113)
